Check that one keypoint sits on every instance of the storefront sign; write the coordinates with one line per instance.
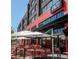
(57, 4)
(51, 19)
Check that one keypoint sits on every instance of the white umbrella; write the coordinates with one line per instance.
(20, 33)
(18, 38)
(30, 34)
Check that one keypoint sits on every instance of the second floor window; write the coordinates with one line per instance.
(42, 1)
(34, 10)
(33, 19)
(48, 6)
(32, 3)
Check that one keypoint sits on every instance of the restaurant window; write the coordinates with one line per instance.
(59, 41)
(58, 31)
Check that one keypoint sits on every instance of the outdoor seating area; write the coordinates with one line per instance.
(33, 45)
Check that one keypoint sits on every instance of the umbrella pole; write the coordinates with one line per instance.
(34, 53)
(45, 50)
(16, 50)
(52, 48)
(59, 52)
(52, 44)
(24, 49)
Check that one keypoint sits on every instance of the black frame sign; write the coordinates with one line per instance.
(56, 5)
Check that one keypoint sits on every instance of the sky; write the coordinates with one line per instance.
(18, 9)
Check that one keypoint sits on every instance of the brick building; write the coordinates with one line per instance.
(49, 16)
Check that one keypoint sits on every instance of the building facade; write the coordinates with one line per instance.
(23, 23)
(50, 17)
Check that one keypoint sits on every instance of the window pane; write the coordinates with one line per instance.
(42, 1)
(54, 1)
(32, 2)
(44, 9)
(58, 4)
(49, 5)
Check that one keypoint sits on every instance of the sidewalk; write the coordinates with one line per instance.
(61, 55)
(48, 57)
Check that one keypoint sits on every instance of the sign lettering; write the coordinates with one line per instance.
(51, 19)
